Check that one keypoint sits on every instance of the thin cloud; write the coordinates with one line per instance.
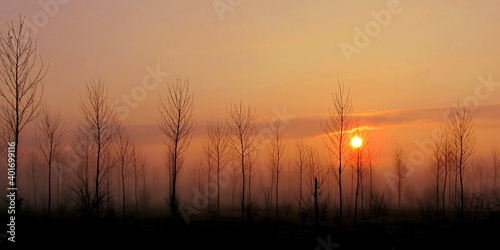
(485, 116)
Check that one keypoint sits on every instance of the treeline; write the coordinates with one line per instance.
(105, 172)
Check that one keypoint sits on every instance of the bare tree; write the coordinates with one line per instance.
(63, 178)
(359, 158)
(243, 130)
(200, 180)
(100, 126)
(441, 161)
(251, 169)
(400, 168)
(218, 145)
(34, 175)
(21, 82)
(478, 172)
(125, 155)
(268, 203)
(110, 166)
(176, 124)
(300, 166)
(337, 128)
(138, 165)
(209, 165)
(372, 157)
(437, 163)
(234, 181)
(48, 139)
(143, 170)
(276, 151)
(447, 159)
(82, 180)
(317, 199)
(495, 168)
(379, 205)
(463, 142)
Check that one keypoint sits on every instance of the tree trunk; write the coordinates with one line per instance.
(300, 191)
(357, 192)
(444, 186)
(97, 198)
(461, 182)
(340, 194)
(123, 191)
(218, 189)
(242, 187)
(50, 181)
(316, 202)
(437, 187)
(277, 191)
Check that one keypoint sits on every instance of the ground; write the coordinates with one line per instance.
(394, 231)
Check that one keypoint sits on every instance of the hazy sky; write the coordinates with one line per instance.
(412, 60)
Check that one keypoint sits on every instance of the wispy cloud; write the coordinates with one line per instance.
(311, 126)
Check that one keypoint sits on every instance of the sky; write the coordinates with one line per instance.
(405, 62)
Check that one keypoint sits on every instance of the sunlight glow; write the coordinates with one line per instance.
(356, 142)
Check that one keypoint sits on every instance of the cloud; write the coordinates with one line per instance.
(311, 126)
(485, 116)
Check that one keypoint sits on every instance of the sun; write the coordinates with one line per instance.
(356, 142)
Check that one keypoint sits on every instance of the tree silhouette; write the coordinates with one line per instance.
(316, 201)
(359, 157)
(478, 172)
(437, 161)
(462, 143)
(244, 142)
(276, 152)
(495, 168)
(218, 147)
(337, 128)
(372, 157)
(447, 160)
(100, 127)
(209, 164)
(138, 165)
(34, 175)
(21, 83)
(176, 124)
(82, 181)
(125, 154)
(48, 139)
(400, 168)
(251, 169)
(300, 166)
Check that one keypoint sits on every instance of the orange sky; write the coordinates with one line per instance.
(276, 56)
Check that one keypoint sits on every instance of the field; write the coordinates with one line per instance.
(394, 231)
